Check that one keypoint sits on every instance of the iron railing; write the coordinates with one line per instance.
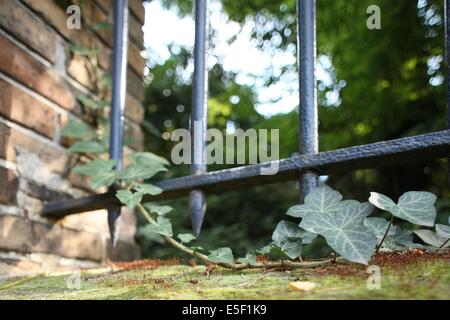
(308, 165)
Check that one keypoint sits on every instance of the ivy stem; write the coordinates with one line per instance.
(385, 234)
(285, 264)
(443, 245)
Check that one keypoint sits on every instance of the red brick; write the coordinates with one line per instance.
(24, 68)
(23, 25)
(135, 60)
(55, 158)
(133, 109)
(20, 107)
(18, 234)
(8, 187)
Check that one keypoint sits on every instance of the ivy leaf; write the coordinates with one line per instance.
(162, 227)
(93, 104)
(443, 231)
(83, 51)
(94, 167)
(103, 179)
(137, 171)
(197, 248)
(101, 25)
(148, 188)
(379, 226)
(285, 230)
(128, 198)
(77, 129)
(414, 206)
(186, 237)
(159, 210)
(323, 199)
(249, 258)
(291, 247)
(147, 158)
(432, 238)
(221, 255)
(87, 147)
(401, 239)
(271, 249)
(344, 230)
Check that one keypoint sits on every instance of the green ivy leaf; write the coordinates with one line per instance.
(159, 210)
(343, 229)
(90, 103)
(432, 238)
(379, 226)
(148, 188)
(88, 147)
(147, 158)
(103, 179)
(197, 248)
(128, 198)
(414, 206)
(323, 199)
(186, 237)
(162, 226)
(291, 247)
(137, 171)
(249, 258)
(94, 167)
(77, 129)
(102, 25)
(221, 255)
(402, 239)
(285, 230)
(443, 231)
(83, 51)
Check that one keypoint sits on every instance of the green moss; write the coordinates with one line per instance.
(428, 280)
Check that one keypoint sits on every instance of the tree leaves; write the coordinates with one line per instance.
(342, 227)
(221, 255)
(414, 206)
(323, 199)
(186, 237)
(288, 237)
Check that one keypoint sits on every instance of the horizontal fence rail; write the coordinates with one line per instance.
(404, 150)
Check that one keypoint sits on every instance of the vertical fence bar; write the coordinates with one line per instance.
(308, 130)
(447, 75)
(119, 77)
(199, 113)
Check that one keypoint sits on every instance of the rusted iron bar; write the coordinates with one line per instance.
(308, 118)
(405, 150)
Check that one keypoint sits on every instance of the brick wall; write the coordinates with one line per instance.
(39, 82)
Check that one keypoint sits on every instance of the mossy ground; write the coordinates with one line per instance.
(401, 278)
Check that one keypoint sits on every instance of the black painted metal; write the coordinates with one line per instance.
(447, 78)
(308, 124)
(405, 150)
(119, 78)
(199, 112)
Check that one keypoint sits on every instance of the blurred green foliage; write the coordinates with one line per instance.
(390, 85)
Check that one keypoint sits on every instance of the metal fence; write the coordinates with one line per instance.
(307, 166)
